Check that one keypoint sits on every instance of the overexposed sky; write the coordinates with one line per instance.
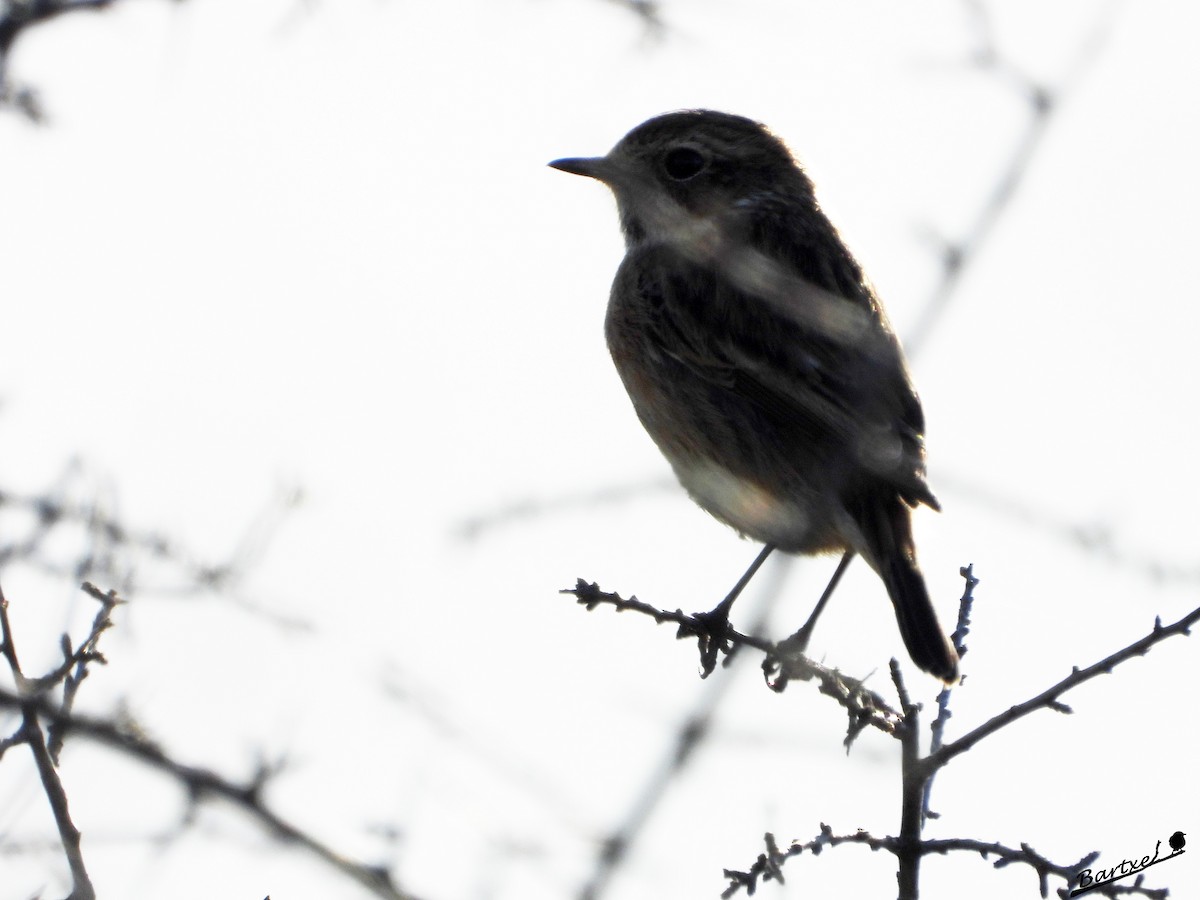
(274, 245)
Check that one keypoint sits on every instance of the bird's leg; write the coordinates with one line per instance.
(798, 642)
(721, 610)
(716, 620)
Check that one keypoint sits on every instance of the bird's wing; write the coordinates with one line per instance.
(820, 388)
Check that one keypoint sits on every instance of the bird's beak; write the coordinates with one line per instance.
(597, 167)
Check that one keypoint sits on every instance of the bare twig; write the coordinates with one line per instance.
(1048, 699)
(959, 639)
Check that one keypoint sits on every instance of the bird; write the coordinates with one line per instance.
(1176, 841)
(759, 359)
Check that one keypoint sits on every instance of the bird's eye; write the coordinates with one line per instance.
(683, 163)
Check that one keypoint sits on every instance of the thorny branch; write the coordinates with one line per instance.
(780, 665)
(918, 771)
(1048, 699)
(769, 865)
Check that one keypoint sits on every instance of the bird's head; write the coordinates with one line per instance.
(683, 166)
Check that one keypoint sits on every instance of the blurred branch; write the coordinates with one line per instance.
(75, 665)
(32, 700)
(1043, 102)
(101, 547)
(17, 17)
(648, 11)
(29, 692)
(1096, 538)
(472, 528)
(689, 736)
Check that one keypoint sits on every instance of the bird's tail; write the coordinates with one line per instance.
(886, 525)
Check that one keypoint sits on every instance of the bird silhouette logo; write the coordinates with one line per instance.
(1176, 841)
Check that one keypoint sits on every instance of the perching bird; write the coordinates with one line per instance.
(758, 357)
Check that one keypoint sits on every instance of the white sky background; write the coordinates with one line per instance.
(265, 245)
